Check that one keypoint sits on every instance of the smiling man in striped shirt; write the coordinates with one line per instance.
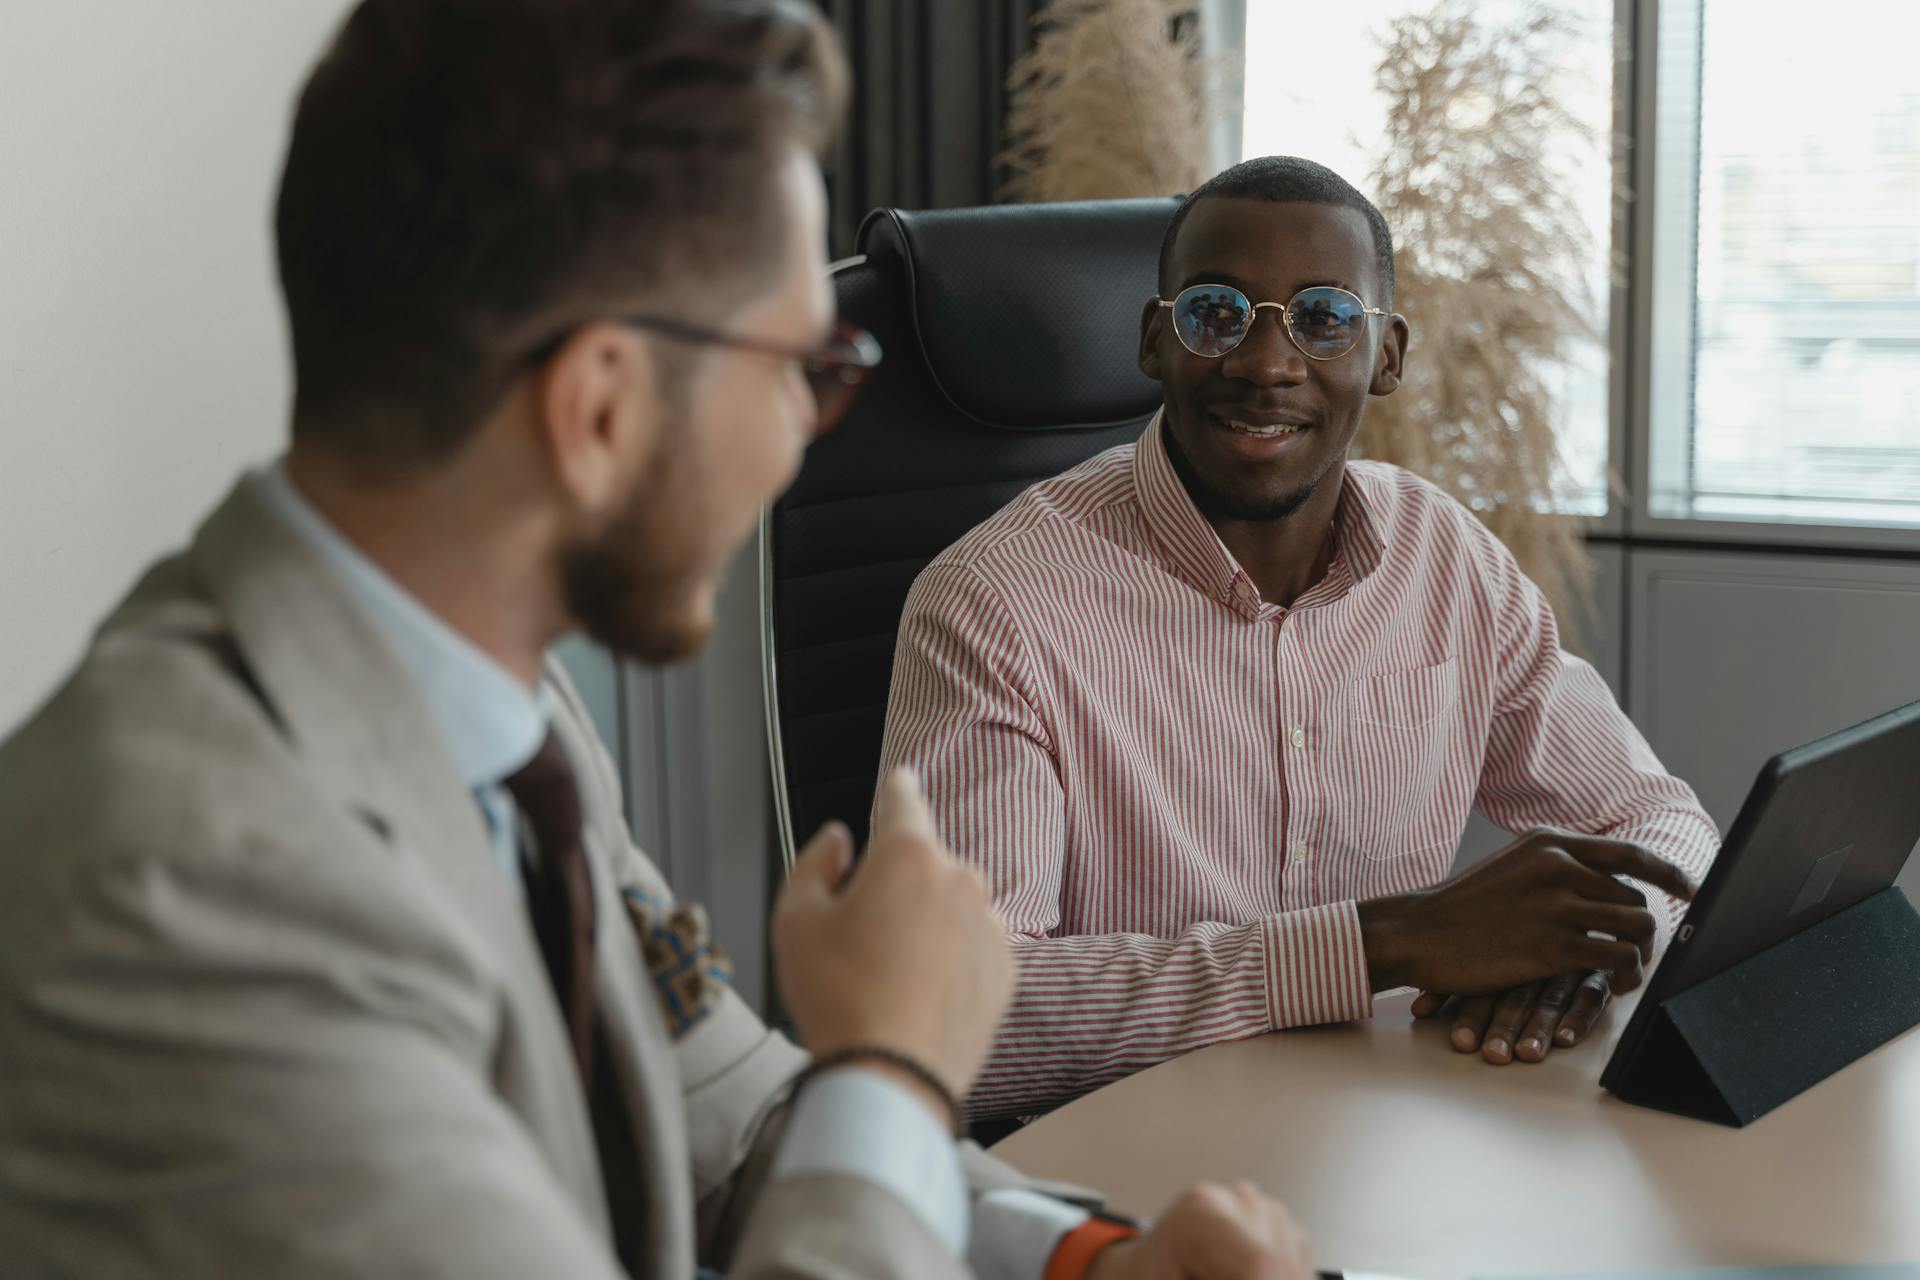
(1211, 711)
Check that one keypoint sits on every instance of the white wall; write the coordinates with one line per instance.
(142, 352)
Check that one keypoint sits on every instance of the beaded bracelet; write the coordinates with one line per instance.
(892, 1057)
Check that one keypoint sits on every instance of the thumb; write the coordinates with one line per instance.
(821, 866)
(901, 810)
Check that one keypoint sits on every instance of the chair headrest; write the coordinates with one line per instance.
(1028, 316)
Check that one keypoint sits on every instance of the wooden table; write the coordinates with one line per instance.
(1399, 1155)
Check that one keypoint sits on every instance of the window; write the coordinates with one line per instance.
(1311, 89)
(1785, 371)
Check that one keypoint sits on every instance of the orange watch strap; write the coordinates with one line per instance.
(1075, 1252)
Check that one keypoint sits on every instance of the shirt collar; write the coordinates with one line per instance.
(493, 723)
(1195, 552)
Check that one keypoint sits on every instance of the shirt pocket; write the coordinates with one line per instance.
(1407, 699)
(1402, 788)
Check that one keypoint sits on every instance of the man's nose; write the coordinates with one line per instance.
(1267, 356)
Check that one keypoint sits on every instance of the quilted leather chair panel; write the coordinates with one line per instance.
(1009, 334)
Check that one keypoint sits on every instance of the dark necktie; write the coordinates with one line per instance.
(559, 890)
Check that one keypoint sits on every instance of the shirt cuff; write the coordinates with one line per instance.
(1015, 1232)
(1317, 967)
(853, 1121)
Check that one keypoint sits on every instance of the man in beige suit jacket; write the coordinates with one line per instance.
(304, 969)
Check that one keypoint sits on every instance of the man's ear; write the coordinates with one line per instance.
(1150, 322)
(1391, 361)
(598, 413)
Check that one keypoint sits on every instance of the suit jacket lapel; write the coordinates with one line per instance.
(639, 1044)
(355, 716)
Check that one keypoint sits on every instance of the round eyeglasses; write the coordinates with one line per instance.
(1323, 321)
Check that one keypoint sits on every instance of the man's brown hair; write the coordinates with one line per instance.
(470, 178)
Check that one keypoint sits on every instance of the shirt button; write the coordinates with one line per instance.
(1300, 851)
(1299, 737)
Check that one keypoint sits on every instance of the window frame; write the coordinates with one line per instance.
(1662, 181)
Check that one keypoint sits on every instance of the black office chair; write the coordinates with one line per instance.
(1009, 335)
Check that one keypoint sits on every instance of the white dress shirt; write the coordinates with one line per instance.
(849, 1121)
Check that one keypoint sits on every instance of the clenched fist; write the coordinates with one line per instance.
(905, 952)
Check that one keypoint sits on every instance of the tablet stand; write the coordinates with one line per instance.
(1734, 1047)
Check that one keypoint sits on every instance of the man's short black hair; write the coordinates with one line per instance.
(1286, 180)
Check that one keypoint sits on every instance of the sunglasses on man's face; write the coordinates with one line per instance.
(1324, 322)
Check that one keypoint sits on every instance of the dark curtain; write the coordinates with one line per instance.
(928, 115)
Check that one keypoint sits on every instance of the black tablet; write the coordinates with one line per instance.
(1826, 827)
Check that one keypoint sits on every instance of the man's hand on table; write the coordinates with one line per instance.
(1512, 938)
(1527, 1022)
(1212, 1233)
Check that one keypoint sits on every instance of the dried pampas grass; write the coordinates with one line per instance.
(1489, 249)
(1115, 99)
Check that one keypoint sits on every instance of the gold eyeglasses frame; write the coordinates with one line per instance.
(1286, 318)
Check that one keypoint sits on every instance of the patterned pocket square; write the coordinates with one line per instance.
(689, 972)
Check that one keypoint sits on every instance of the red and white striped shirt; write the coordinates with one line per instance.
(1179, 792)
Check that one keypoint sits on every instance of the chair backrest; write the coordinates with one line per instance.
(1010, 335)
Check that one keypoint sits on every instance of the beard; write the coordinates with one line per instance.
(627, 589)
(1220, 503)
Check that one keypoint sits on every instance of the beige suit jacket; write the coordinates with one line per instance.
(269, 1008)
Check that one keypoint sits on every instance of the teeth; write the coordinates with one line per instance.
(1264, 433)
